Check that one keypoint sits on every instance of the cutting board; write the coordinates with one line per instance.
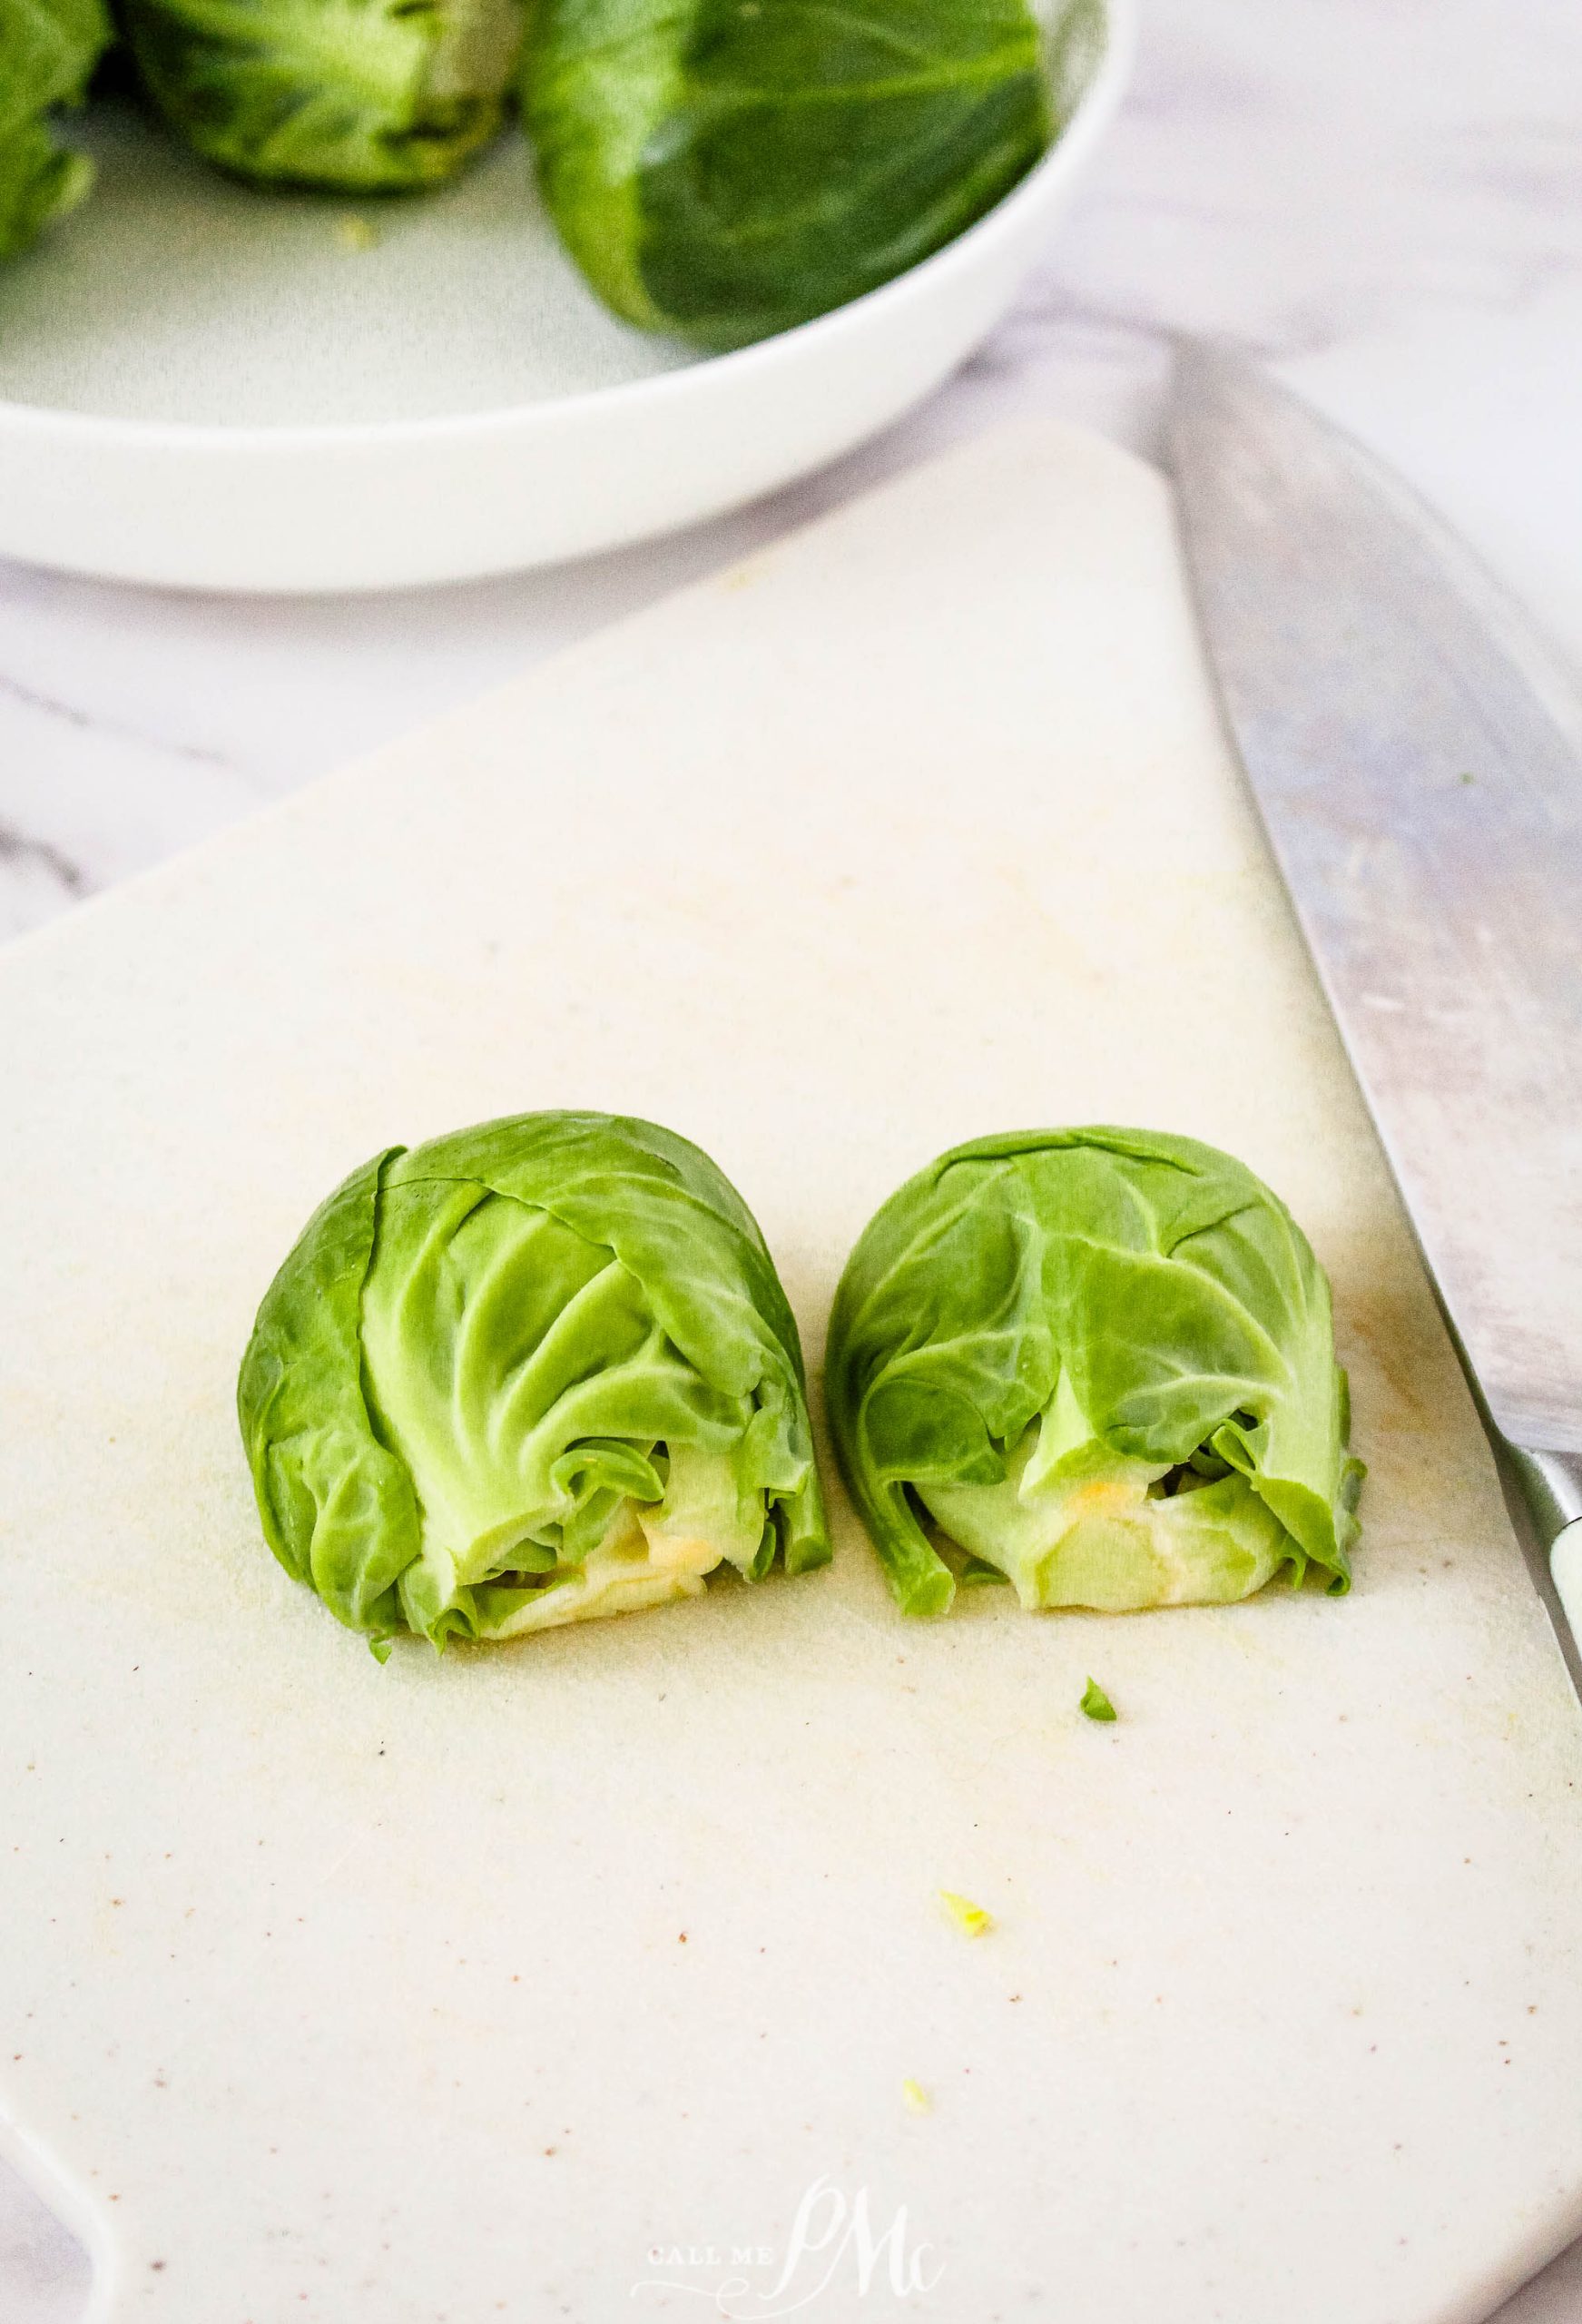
(582, 1980)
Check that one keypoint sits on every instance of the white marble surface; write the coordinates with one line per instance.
(1388, 194)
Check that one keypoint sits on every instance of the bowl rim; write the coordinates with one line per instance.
(805, 341)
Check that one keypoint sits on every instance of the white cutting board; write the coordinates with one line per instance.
(360, 1995)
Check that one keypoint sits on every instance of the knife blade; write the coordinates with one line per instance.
(1415, 755)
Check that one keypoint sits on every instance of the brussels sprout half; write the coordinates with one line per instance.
(535, 1371)
(358, 96)
(1100, 1360)
(722, 169)
(48, 49)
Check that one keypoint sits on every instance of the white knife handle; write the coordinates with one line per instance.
(1552, 1482)
(1565, 1571)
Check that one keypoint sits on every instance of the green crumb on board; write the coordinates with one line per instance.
(354, 233)
(1095, 1703)
(915, 2096)
(969, 1918)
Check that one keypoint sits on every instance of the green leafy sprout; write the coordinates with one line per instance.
(1100, 1361)
(718, 170)
(532, 1373)
(357, 96)
(48, 49)
(723, 169)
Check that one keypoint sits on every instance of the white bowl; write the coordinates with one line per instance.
(206, 388)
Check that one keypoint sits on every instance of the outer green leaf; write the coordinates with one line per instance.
(723, 169)
(364, 96)
(535, 1371)
(337, 1506)
(1101, 1360)
(48, 49)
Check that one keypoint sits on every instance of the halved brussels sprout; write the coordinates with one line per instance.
(532, 1373)
(357, 96)
(48, 49)
(722, 169)
(1099, 1360)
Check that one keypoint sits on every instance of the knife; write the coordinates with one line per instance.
(1416, 756)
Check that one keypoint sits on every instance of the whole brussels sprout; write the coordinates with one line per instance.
(531, 1373)
(1099, 1363)
(358, 96)
(48, 49)
(722, 169)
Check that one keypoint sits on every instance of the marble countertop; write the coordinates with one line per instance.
(1385, 197)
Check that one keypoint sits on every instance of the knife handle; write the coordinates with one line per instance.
(1551, 1483)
